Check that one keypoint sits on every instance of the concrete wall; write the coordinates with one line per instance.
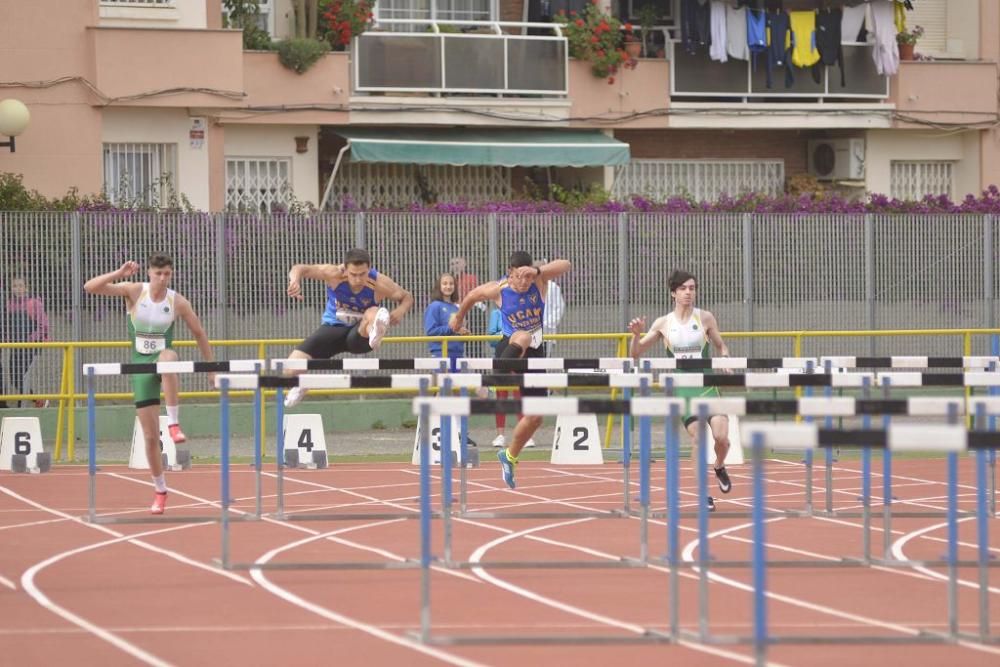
(183, 14)
(884, 146)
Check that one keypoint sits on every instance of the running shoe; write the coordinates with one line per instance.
(507, 465)
(176, 434)
(725, 485)
(294, 396)
(530, 443)
(159, 503)
(379, 326)
(500, 441)
(710, 503)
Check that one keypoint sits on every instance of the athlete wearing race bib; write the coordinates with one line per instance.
(353, 319)
(152, 309)
(686, 333)
(521, 298)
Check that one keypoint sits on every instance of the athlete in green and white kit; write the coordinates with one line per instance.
(687, 333)
(152, 308)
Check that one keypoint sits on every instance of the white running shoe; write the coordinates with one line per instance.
(530, 443)
(499, 441)
(294, 396)
(378, 328)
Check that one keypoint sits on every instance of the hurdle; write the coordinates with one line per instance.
(91, 371)
(948, 438)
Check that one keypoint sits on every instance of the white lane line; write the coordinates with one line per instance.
(8, 583)
(898, 552)
(28, 584)
(260, 577)
(477, 557)
(139, 543)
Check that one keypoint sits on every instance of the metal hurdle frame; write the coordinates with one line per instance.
(420, 382)
(949, 438)
(91, 371)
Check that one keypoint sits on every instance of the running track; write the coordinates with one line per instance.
(149, 594)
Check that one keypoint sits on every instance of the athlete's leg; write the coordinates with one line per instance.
(324, 343)
(692, 424)
(374, 324)
(720, 433)
(171, 383)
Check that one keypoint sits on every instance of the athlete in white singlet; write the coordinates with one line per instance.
(687, 333)
(152, 308)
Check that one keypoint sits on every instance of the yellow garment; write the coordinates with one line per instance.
(803, 29)
(899, 15)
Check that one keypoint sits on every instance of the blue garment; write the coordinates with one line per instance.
(496, 326)
(344, 308)
(522, 311)
(780, 30)
(436, 324)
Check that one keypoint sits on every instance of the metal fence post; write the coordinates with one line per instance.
(494, 247)
(748, 277)
(623, 276)
(988, 269)
(76, 269)
(220, 280)
(870, 278)
(359, 229)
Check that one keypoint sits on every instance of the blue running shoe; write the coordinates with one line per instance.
(507, 467)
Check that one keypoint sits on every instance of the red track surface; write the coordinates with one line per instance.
(73, 591)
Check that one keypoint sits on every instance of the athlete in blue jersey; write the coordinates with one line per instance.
(521, 296)
(353, 320)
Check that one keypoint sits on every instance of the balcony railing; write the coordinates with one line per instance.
(488, 62)
(698, 76)
(140, 3)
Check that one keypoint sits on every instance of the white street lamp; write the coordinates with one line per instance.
(14, 117)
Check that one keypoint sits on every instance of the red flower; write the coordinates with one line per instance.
(628, 27)
(579, 23)
(611, 80)
(594, 40)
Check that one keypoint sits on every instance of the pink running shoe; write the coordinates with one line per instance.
(176, 434)
(159, 503)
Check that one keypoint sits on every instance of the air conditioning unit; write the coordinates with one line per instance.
(837, 159)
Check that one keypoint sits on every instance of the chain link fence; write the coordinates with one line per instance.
(755, 272)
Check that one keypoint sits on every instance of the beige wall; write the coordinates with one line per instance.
(61, 148)
(182, 14)
(165, 126)
(963, 28)
(278, 141)
(884, 146)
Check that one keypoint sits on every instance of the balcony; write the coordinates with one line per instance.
(925, 90)
(169, 67)
(696, 76)
(487, 61)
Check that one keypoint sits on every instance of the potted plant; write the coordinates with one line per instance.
(907, 39)
(596, 37)
(648, 15)
(633, 47)
(345, 19)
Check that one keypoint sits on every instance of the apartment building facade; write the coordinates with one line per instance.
(144, 98)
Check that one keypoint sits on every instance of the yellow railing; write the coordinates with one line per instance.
(69, 394)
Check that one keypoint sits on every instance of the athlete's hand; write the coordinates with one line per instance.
(526, 273)
(462, 331)
(455, 324)
(394, 318)
(295, 289)
(211, 380)
(637, 326)
(128, 269)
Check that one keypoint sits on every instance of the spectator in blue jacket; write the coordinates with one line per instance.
(444, 304)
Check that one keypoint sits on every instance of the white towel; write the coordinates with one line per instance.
(886, 51)
(851, 22)
(736, 33)
(717, 51)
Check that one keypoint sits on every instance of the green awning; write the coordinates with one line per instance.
(496, 147)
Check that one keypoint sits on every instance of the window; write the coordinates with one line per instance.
(932, 16)
(258, 184)
(140, 173)
(703, 180)
(437, 10)
(914, 180)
